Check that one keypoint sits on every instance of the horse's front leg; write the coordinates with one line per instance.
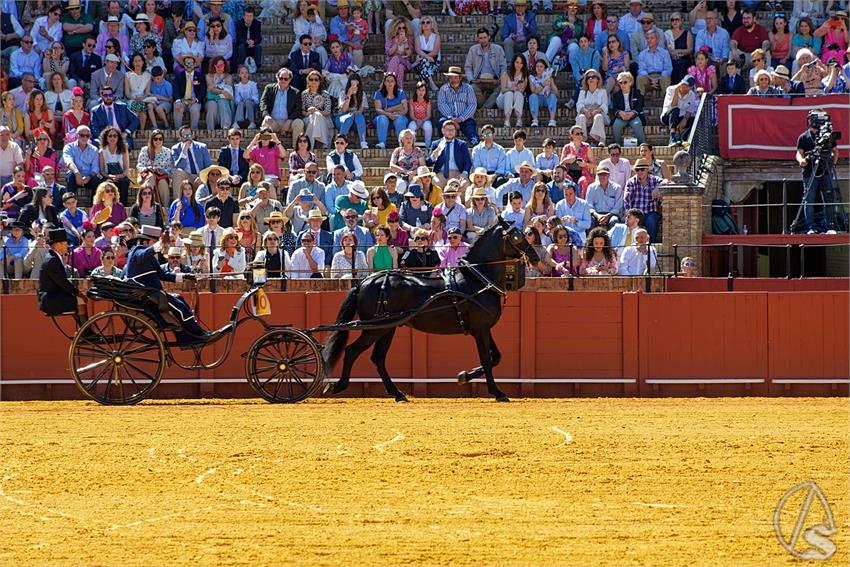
(485, 342)
(467, 376)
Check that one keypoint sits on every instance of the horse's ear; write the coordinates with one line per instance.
(503, 223)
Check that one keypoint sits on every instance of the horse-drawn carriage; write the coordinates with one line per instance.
(118, 357)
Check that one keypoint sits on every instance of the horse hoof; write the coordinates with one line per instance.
(502, 398)
(333, 388)
(401, 398)
(462, 377)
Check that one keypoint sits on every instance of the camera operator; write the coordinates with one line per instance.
(816, 155)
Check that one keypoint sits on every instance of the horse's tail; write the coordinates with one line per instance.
(338, 339)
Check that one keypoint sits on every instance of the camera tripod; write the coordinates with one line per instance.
(828, 196)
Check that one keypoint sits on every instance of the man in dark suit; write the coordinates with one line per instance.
(303, 61)
(111, 113)
(56, 190)
(731, 82)
(84, 63)
(231, 157)
(449, 156)
(249, 36)
(190, 159)
(280, 106)
(190, 98)
(143, 269)
(56, 293)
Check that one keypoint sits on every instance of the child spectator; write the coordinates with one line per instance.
(420, 112)
(247, 98)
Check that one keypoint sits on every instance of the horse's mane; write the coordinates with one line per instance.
(479, 245)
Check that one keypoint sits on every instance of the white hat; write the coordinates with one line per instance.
(113, 57)
(358, 189)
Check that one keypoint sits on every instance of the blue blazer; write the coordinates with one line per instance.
(225, 159)
(143, 269)
(509, 25)
(326, 242)
(199, 152)
(126, 119)
(365, 239)
(296, 64)
(462, 158)
(78, 72)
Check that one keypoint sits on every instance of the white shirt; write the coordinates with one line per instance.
(598, 97)
(9, 158)
(301, 268)
(633, 262)
(620, 171)
(54, 31)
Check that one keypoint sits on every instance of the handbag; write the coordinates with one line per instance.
(114, 168)
(251, 64)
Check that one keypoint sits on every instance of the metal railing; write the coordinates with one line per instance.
(702, 139)
(786, 225)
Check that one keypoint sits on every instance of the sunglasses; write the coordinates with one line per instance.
(287, 78)
(112, 135)
(89, 45)
(562, 237)
(274, 238)
(146, 194)
(158, 139)
(43, 139)
(110, 191)
(26, 41)
(313, 79)
(539, 190)
(529, 234)
(311, 172)
(454, 237)
(276, 222)
(421, 238)
(83, 135)
(303, 240)
(351, 217)
(109, 257)
(307, 44)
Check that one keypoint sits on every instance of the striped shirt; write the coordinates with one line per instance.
(460, 103)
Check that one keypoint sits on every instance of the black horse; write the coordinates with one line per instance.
(465, 300)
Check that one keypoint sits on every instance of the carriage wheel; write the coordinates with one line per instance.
(284, 366)
(117, 358)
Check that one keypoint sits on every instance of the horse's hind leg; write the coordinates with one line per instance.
(379, 357)
(467, 376)
(484, 341)
(352, 351)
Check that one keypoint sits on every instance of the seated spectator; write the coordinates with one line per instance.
(420, 256)
(224, 202)
(539, 204)
(391, 107)
(679, 109)
(747, 38)
(186, 209)
(217, 11)
(137, 88)
(837, 81)
(357, 33)
(110, 75)
(349, 263)
(566, 30)
(657, 166)
(72, 218)
(634, 259)
(835, 37)
(592, 106)
(485, 64)
(38, 115)
(110, 113)
(545, 264)
(382, 256)
(380, 207)
(641, 192)
(107, 266)
(781, 79)
(246, 98)
(114, 31)
(218, 43)
(12, 120)
(115, 161)
(574, 211)
(262, 207)
(428, 47)
(174, 261)
(311, 26)
(600, 40)
(232, 158)
(457, 103)
(45, 29)
(524, 183)
(190, 158)
(490, 157)
(596, 17)
(513, 87)
(219, 104)
(317, 111)
(249, 237)
(619, 167)
(577, 155)
(560, 179)
(40, 209)
(780, 42)
(16, 193)
(679, 43)
(301, 61)
(229, 257)
(406, 159)
(399, 50)
(804, 39)
(637, 39)
(356, 200)
(14, 251)
(480, 215)
(82, 161)
(398, 236)
(143, 36)
(582, 60)
(514, 213)
(59, 99)
(147, 210)
(302, 207)
(732, 82)
(351, 226)
(187, 45)
(654, 66)
(195, 253)
(249, 39)
(190, 88)
(449, 156)
(481, 179)
(623, 234)
(689, 268)
(759, 59)
(266, 150)
(432, 193)
(563, 253)
(280, 106)
(274, 258)
(704, 74)
(395, 194)
(415, 212)
(451, 209)
(714, 38)
(810, 71)
(547, 161)
(352, 108)
(336, 69)
(55, 61)
(420, 112)
(627, 108)
(342, 155)
(598, 258)
(211, 232)
(605, 199)
(411, 10)
(24, 60)
(150, 8)
(39, 157)
(450, 255)
(543, 91)
(615, 61)
(75, 117)
(763, 86)
(300, 156)
(86, 257)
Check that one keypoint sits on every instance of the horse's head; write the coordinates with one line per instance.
(514, 244)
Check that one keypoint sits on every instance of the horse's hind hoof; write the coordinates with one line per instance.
(401, 398)
(502, 398)
(463, 377)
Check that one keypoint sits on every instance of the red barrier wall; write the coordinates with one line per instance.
(553, 343)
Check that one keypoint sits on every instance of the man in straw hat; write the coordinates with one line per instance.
(323, 238)
(517, 28)
(449, 156)
(781, 77)
(190, 159)
(77, 27)
(456, 102)
(485, 64)
(524, 184)
(452, 206)
(263, 206)
(356, 199)
(209, 178)
(641, 192)
(490, 156)
(174, 261)
(300, 208)
(143, 269)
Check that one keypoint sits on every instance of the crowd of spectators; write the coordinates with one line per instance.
(84, 77)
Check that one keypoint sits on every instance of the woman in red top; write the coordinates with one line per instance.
(38, 115)
(577, 156)
(249, 236)
(76, 117)
(40, 156)
(596, 22)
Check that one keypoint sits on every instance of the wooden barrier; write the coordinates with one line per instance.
(553, 343)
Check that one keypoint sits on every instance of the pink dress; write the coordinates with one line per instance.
(834, 37)
(267, 157)
(399, 63)
(703, 77)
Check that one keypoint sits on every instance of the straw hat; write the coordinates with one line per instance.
(454, 72)
(480, 193)
(451, 188)
(275, 216)
(175, 251)
(228, 232)
(481, 172)
(315, 214)
(527, 165)
(358, 189)
(205, 172)
(642, 162)
(423, 171)
(782, 72)
(196, 238)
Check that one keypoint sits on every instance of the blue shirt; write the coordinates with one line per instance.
(601, 40)
(460, 103)
(389, 102)
(279, 111)
(164, 90)
(579, 210)
(515, 184)
(556, 192)
(87, 160)
(654, 62)
(332, 191)
(492, 159)
(718, 42)
(581, 61)
(15, 248)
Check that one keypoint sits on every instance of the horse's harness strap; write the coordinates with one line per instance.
(381, 309)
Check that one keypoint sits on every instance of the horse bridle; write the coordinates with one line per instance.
(513, 237)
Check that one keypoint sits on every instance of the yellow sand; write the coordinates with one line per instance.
(434, 482)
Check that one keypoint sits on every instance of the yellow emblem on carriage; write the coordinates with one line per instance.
(261, 304)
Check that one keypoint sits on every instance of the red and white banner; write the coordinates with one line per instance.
(768, 128)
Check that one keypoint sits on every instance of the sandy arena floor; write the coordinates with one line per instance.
(434, 482)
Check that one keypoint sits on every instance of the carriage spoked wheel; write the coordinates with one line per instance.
(117, 358)
(284, 366)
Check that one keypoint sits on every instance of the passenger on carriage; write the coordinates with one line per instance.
(143, 269)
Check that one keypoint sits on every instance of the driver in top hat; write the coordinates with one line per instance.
(143, 269)
(56, 293)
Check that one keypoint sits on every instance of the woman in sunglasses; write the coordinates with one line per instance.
(317, 110)
(106, 197)
(107, 266)
(41, 156)
(420, 256)
(115, 160)
(273, 256)
(147, 210)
